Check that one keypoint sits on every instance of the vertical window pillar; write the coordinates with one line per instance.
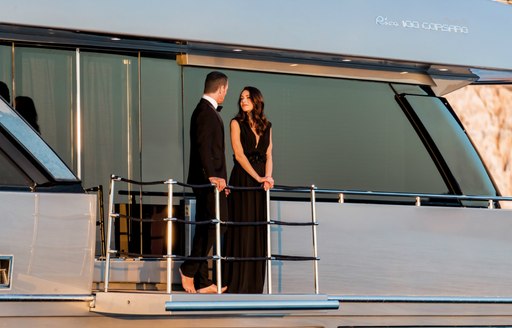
(78, 119)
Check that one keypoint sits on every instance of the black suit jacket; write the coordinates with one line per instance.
(207, 148)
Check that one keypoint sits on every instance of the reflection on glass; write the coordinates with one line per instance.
(33, 143)
(10, 174)
(161, 120)
(330, 132)
(110, 117)
(454, 145)
(48, 77)
(5, 69)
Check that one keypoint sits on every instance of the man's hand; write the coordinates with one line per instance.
(219, 183)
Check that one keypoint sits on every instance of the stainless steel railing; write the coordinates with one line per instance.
(170, 257)
(417, 197)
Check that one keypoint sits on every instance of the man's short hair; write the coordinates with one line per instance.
(214, 80)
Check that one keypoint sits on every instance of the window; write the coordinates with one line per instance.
(5, 271)
(110, 117)
(10, 174)
(334, 133)
(461, 157)
(33, 143)
(47, 77)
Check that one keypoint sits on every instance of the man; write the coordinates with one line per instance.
(207, 166)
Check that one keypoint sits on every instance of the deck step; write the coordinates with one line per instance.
(245, 302)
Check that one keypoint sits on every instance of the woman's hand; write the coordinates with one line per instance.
(268, 183)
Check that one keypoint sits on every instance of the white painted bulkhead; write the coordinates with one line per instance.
(51, 238)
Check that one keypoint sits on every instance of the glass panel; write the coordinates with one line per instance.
(47, 78)
(110, 119)
(10, 174)
(5, 271)
(409, 89)
(29, 139)
(455, 147)
(162, 134)
(333, 133)
(5, 72)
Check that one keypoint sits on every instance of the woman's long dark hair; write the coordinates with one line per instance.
(257, 115)
(26, 108)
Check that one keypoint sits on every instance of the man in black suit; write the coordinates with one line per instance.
(207, 166)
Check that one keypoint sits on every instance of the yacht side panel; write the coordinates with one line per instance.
(50, 238)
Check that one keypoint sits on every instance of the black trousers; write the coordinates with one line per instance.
(204, 237)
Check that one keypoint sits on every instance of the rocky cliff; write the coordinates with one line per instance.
(486, 113)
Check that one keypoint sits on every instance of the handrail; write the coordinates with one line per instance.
(170, 257)
(303, 189)
(413, 195)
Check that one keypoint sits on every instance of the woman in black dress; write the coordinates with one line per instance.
(251, 139)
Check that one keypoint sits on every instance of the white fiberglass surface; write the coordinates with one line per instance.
(391, 250)
(51, 239)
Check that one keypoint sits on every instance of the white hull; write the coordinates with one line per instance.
(79, 314)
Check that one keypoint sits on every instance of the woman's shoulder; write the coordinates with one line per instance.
(236, 123)
(236, 120)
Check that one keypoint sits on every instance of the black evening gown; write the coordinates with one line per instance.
(247, 276)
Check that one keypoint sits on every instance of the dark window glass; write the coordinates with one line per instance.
(334, 133)
(454, 145)
(32, 142)
(10, 174)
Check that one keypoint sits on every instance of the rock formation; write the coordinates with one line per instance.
(486, 113)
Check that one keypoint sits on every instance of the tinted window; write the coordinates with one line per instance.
(33, 143)
(10, 174)
(454, 145)
(334, 133)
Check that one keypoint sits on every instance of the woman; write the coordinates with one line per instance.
(26, 108)
(251, 139)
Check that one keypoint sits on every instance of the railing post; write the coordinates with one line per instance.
(169, 220)
(102, 221)
(217, 241)
(269, 245)
(111, 217)
(315, 250)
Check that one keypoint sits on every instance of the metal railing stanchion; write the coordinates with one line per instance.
(217, 220)
(315, 249)
(169, 183)
(102, 220)
(269, 246)
(111, 217)
(217, 241)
